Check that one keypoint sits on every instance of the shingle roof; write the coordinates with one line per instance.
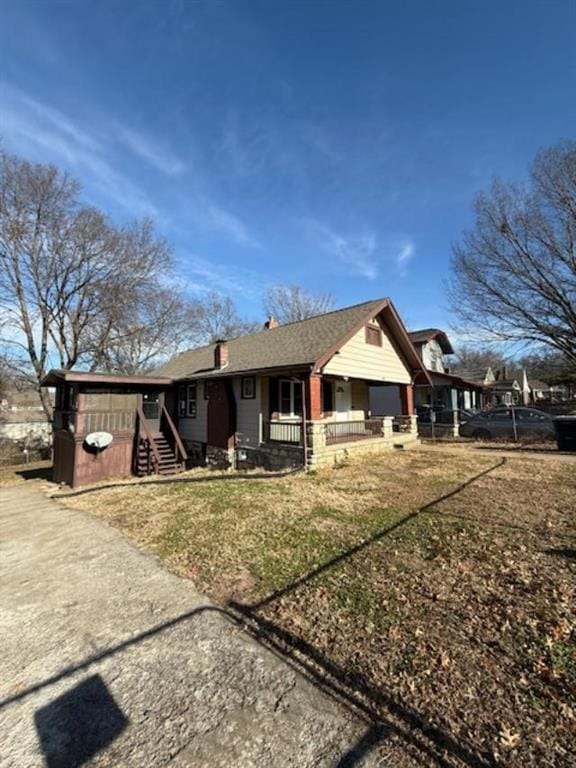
(538, 384)
(504, 384)
(427, 334)
(294, 344)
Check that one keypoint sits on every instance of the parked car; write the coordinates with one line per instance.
(443, 415)
(499, 422)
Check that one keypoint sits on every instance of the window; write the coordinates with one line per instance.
(248, 387)
(523, 414)
(191, 392)
(290, 398)
(499, 415)
(373, 335)
(181, 401)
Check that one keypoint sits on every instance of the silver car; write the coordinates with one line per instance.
(499, 422)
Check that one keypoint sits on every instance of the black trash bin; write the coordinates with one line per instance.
(565, 427)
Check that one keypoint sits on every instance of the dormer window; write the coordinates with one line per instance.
(373, 335)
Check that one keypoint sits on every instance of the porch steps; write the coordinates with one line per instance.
(168, 460)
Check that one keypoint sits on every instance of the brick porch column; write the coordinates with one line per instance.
(407, 399)
(314, 397)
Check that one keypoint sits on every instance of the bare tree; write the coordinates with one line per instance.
(515, 271)
(74, 289)
(473, 362)
(289, 303)
(216, 317)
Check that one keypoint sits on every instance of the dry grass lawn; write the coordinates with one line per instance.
(435, 591)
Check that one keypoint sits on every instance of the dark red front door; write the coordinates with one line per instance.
(221, 414)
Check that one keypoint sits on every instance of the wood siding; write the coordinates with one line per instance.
(360, 360)
(194, 430)
(248, 414)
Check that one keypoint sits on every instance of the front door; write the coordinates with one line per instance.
(221, 415)
(342, 401)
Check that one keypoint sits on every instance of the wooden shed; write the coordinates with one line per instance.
(134, 410)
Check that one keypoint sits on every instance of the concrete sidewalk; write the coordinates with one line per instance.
(107, 659)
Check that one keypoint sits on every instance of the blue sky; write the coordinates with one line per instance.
(334, 144)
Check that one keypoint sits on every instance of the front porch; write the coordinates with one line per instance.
(337, 418)
(326, 441)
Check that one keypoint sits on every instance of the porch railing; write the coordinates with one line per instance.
(283, 432)
(107, 421)
(177, 443)
(85, 422)
(349, 431)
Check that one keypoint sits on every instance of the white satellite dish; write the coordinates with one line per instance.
(99, 440)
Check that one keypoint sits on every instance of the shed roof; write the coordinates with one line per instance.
(58, 376)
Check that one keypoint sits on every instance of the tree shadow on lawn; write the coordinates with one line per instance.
(238, 476)
(364, 700)
(569, 554)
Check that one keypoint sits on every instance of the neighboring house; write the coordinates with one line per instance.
(444, 390)
(280, 397)
(539, 390)
(22, 418)
(503, 392)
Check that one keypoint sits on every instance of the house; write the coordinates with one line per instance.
(438, 388)
(285, 396)
(503, 391)
(539, 390)
(22, 418)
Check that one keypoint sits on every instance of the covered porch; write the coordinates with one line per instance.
(330, 416)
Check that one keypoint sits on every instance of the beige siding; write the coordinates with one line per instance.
(360, 360)
(248, 414)
(195, 429)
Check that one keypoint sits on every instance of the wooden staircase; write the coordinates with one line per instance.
(168, 462)
(156, 454)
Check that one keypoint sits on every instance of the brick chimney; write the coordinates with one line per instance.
(271, 323)
(221, 353)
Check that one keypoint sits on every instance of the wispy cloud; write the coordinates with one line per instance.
(356, 251)
(403, 256)
(226, 222)
(30, 125)
(199, 275)
(150, 151)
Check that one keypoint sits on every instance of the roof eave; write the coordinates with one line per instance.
(55, 377)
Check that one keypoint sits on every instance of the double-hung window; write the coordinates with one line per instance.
(290, 398)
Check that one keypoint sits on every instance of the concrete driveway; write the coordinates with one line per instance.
(109, 660)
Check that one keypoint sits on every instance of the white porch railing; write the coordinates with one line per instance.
(289, 432)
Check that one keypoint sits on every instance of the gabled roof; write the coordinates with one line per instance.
(504, 384)
(432, 334)
(300, 344)
(439, 378)
(538, 384)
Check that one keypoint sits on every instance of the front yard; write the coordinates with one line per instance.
(434, 592)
